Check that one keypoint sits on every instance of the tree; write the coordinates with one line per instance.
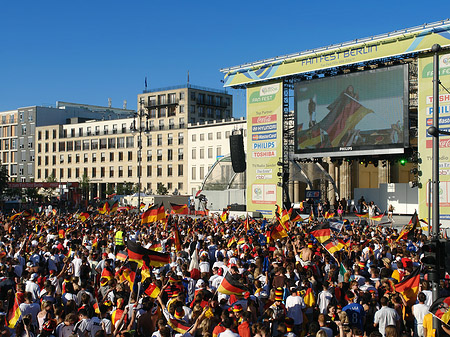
(48, 192)
(161, 189)
(109, 189)
(4, 178)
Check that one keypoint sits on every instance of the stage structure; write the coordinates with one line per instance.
(352, 103)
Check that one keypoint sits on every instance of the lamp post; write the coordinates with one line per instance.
(140, 115)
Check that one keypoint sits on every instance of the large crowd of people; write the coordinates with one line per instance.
(64, 275)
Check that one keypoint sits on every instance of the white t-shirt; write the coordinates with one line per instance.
(384, 317)
(419, 311)
(294, 306)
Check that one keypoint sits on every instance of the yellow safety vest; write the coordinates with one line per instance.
(119, 238)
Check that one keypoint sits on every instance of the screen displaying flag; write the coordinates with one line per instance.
(409, 286)
(153, 214)
(179, 209)
(321, 232)
(231, 286)
(441, 309)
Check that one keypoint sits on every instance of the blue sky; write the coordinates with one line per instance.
(87, 51)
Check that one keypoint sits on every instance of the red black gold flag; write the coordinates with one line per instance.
(106, 276)
(231, 241)
(231, 286)
(321, 232)
(377, 217)
(156, 247)
(179, 209)
(152, 290)
(409, 286)
(278, 232)
(176, 235)
(178, 325)
(408, 230)
(114, 207)
(14, 216)
(84, 216)
(362, 215)
(104, 209)
(441, 309)
(334, 245)
(121, 256)
(14, 313)
(154, 213)
(139, 254)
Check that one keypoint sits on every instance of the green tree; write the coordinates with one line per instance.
(4, 178)
(48, 192)
(109, 189)
(128, 188)
(161, 189)
(84, 185)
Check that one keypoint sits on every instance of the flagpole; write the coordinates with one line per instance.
(328, 251)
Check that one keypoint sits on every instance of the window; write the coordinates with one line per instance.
(46, 148)
(47, 135)
(194, 138)
(202, 172)
(39, 148)
(181, 122)
(218, 114)
(77, 172)
(201, 98)
(172, 98)
(94, 157)
(219, 135)
(227, 101)
(169, 154)
(169, 139)
(130, 171)
(120, 171)
(193, 173)
(162, 99)
(210, 136)
(88, 131)
(105, 129)
(149, 155)
(85, 157)
(69, 173)
(152, 113)
(111, 156)
(114, 131)
(169, 170)
(77, 158)
(111, 171)
(152, 100)
(194, 153)
(93, 172)
(180, 138)
(202, 153)
(202, 136)
(111, 143)
(62, 146)
(201, 111)
(169, 186)
(180, 154)
(180, 170)
(80, 132)
(218, 101)
(159, 140)
(103, 143)
(227, 134)
(162, 112)
(130, 141)
(24, 130)
(39, 160)
(171, 124)
(209, 113)
(120, 142)
(130, 155)
(159, 155)
(120, 156)
(61, 173)
(102, 157)
(210, 152)
(39, 135)
(86, 144)
(181, 109)
(97, 130)
(181, 95)
(149, 141)
(124, 127)
(159, 171)
(149, 170)
(94, 144)
(102, 172)
(69, 146)
(53, 159)
(192, 109)
(69, 158)
(161, 124)
(193, 95)
(218, 151)
(61, 158)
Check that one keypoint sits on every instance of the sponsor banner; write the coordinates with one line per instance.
(265, 127)
(392, 44)
(264, 116)
(264, 136)
(425, 142)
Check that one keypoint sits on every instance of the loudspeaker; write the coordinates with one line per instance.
(237, 153)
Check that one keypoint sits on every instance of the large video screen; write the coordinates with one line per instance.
(359, 113)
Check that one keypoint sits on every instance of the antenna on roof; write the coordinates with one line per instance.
(109, 102)
(188, 78)
(145, 84)
(124, 104)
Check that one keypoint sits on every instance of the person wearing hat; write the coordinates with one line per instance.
(32, 287)
(278, 308)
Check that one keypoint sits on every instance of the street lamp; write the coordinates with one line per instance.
(139, 116)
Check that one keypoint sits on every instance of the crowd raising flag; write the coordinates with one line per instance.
(334, 246)
(139, 254)
(231, 286)
(278, 232)
(321, 232)
(104, 209)
(153, 214)
(179, 209)
(142, 206)
(84, 216)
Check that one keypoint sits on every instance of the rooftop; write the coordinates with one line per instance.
(189, 86)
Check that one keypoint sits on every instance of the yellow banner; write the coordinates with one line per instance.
(264, 147)
(425, 120)
(393, 44)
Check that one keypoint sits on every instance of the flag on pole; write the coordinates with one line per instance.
(341, 274)
(231, 286)
(441, 309)
(14, 313)
(179, 209)
(408, 230)
(409, 286)
(321, 232)
(104, 209)
(153, 214)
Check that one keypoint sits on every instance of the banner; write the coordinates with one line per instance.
(425, 120)
(391, 44)
(264, 147)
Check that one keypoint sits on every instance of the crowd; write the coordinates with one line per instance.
(68, 276)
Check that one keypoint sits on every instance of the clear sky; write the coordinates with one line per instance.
(88, 51)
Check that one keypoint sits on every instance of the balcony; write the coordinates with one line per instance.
(156, 104)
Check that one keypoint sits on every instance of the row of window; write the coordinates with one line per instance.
(94, 172)
(201, 172)
(201, 98)
(210, 135)
(201, 152)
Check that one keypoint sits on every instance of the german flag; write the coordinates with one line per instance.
(278, 211)
(176, 237)
(285, 217)
(84, 216)
(153, 214)
(105, 277)
(15, 216)
(409, 287)
(328, 215)
(14, 313)
(116, 316)
(295, 217)
(139, 254)
(241, 241)
(145, 272)
(334, 245)
(441, 309)
(321, 232)
(377, 217)
(179, 209)
(362, 215)
(178, 325)
(54, 211)
(156, 247)
(231, 286)
(114, 208)
(231, 241)
(224, 215)
(408, 230)
(278, 232)
(151, 289)
(142, 206)
(104, 209)
(311, 216)
(96, 308)
(121, 256)
(309, 299)
(61, 233)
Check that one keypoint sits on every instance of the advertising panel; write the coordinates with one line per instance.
(425, 120)
(353, 113)
(361, 50)
(264, 147)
